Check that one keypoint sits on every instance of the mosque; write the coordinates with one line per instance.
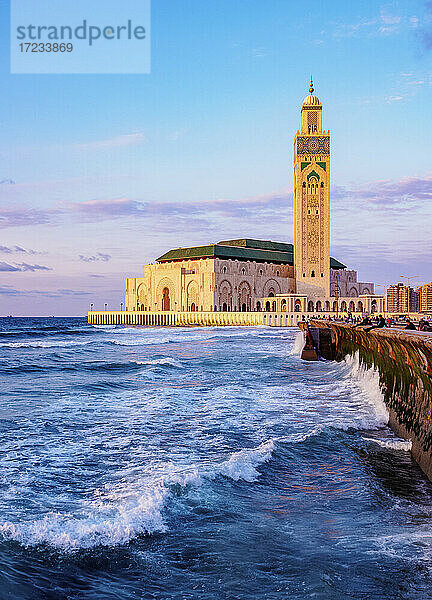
(248, 275)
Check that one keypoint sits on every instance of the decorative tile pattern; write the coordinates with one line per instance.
(313, 145)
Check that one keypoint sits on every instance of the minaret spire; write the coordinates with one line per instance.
(311, 88)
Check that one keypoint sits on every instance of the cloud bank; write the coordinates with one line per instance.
(20, 267)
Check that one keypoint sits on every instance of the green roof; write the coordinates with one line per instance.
(241, 249)
(336, 264)
(260, 244)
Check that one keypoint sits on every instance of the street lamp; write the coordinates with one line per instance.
(91, 306)
(409, 277)
(105, 305)
(121, 305)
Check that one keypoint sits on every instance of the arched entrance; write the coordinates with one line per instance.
(193, 296)
(165, 299)
(225, 295)
(244, 296)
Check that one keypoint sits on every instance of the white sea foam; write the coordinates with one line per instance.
(129, 508)
(172, 362)
(44, 344)
(368, 382)
(110, 525)
(243, 464)
(299, 344)
(392, 444)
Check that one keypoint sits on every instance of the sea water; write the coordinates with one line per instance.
(200, 463)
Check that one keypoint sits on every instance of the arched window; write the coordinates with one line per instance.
(261, 272)
(258, 306)
(360, 306)
(277, 273)
(313, 274)
(284, 305)
(318, 306)
(224, 270)
(310, 306)
(297, 306)
(343, 306)
(243, 271)
(274, 306)
(268, 306)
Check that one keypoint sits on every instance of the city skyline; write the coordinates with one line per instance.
(100, 174)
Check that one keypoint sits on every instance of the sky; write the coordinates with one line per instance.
(101, 174)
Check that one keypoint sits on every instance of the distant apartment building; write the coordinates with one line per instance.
(402, 299)
(425, 297)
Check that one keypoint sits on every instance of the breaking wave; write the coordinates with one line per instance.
(130, 510)
(368, 383)
(299, 344)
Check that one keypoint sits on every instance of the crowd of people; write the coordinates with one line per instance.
(378, 322)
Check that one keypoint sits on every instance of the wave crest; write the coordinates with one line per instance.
(128, 511)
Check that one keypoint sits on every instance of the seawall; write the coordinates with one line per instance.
(403, 360)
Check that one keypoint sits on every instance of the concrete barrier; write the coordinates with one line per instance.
(404, 363)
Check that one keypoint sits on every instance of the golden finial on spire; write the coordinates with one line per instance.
(311, 88)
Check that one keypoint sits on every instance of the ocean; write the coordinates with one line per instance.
(200, 463)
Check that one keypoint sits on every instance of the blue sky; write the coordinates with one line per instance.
(109, 171)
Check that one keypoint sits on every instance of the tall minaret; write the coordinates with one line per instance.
(312, 201)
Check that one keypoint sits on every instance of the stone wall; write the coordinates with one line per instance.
(404, 363)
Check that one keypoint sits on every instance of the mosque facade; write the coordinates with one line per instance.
(260, 275)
